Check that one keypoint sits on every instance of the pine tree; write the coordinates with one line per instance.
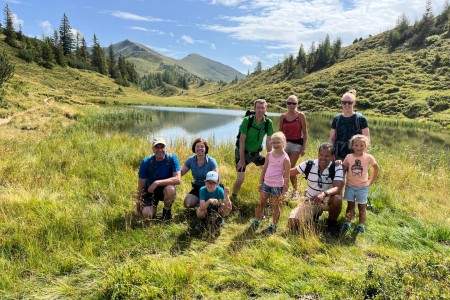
(98, 57)
(336, 51)
(301, 57)
(66, 36)
(9, 32)
(111, 62)
(258, 68)
(6, 68)
(48, 57)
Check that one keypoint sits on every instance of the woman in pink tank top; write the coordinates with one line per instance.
(293, 125)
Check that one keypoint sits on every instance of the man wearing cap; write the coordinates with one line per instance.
(158, 175)
(251, 135)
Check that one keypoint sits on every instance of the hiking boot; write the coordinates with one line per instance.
(333, 228)
(254, 225)
(270, 230)
(166, 214)
(295, 195)
(346, 226)
(360, 228)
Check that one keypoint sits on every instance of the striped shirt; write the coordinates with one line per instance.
(319, 182)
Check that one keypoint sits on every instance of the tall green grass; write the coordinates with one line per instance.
(67, 230)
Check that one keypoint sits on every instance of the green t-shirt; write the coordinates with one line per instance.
(255, 134)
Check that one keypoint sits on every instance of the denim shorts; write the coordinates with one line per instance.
(358, 193)
(291, 147)
(274, 191)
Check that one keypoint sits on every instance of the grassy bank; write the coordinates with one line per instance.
(67, 229)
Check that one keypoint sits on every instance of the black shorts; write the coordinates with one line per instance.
(152, 199)
(250, 157)
(195, 190)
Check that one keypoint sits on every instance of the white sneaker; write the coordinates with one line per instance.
(295, 195)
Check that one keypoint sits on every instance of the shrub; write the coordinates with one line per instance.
(416, 109)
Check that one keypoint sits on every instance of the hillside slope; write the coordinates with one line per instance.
(404, 83)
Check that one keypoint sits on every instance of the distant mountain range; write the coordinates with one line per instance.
(148, 60)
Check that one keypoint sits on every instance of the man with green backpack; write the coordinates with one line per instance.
(249, 141)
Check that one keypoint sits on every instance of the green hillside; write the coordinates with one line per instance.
(405, 83)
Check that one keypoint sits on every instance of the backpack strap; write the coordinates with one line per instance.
(358, 125)
(309, 165)
(332, 170)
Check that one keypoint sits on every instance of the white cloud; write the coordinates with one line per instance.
(146, 29)
(187, 39)
(249, 60)
(16, 21)
(74, 33)
(46, 27)
(287, 23)
(213, 46)
(226, 2)
(133, 17)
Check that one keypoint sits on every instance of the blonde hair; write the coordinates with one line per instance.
(262, 101)
(359, 137)
(279, 134)
(351, 93)
(293, 97)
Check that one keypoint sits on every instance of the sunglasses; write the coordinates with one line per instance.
(319, 181)
(160, 147)
(347, 102)
(291, 103)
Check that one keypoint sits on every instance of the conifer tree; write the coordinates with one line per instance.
(66, 36)
(98, 57)
(6, 68)
(301, 57)
(48, 57)
(111, 62)
(10, 34)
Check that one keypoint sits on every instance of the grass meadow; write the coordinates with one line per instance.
(67, 229)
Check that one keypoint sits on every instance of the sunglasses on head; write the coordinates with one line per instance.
(347, 102)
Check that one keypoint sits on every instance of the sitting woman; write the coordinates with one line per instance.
(200, 164)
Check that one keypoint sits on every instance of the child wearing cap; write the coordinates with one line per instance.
(212, 196)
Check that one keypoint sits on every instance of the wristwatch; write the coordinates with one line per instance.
(326, 194)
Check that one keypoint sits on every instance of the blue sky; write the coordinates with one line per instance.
(237, 33)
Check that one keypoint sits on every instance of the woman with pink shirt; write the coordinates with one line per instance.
(293, 125)
(274, 182)
(357, 166)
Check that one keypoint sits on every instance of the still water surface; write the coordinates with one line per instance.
(221, 126)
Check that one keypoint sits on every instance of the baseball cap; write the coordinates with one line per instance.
(213, 176)
(158, 140)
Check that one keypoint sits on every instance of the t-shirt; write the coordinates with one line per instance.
(255, 134)
(199, 172)
(319, 182)
(358, 169)
(153, 170)
(346, 128)
(275, 170)
(218, 194)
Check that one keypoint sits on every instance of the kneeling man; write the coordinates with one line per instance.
(325, 181)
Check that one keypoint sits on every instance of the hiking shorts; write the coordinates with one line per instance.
(305, 211)
(356, 193)
(152, 199)
(291, 147)
(250, 157)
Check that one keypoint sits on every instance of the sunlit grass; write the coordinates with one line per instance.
(67, 229)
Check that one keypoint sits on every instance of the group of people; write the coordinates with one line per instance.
(345, 153)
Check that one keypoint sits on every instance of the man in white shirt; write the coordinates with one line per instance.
(325, 181)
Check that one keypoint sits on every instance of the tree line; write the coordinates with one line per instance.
(65, 48)
(422, 32)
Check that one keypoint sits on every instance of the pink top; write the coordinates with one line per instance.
(358, 169)
(274, 176)
(291, 129)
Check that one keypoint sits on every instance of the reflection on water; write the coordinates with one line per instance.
(221, 126)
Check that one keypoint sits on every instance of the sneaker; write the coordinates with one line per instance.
(346, 226)
(360, 228)
(254, 225)
(295, 195)
(166, 214)
(223, 223)
(270, 230)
